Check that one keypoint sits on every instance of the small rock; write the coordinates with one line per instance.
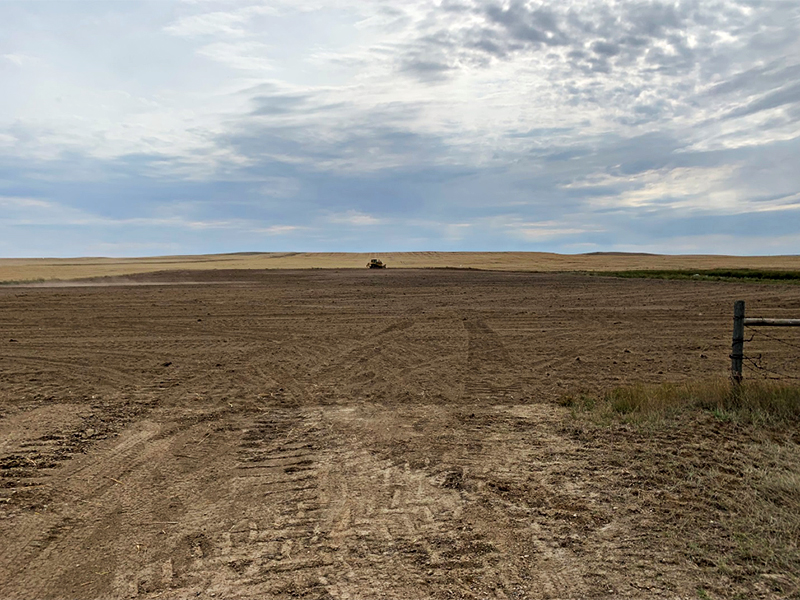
(12, 340)
(166, 364)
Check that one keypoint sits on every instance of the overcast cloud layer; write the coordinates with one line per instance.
(134, 128)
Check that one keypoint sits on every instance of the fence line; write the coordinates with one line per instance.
(773, 338)
(765, 372)
(737, 348)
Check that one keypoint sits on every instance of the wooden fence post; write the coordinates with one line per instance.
(737, 349)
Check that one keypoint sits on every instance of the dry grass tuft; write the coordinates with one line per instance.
(766, 527)
(764, 402)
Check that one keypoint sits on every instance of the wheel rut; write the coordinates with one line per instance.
(491, 372)
(268, 542)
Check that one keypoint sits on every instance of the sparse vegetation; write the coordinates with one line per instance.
(752, 275)
(759, 402)
(727, 458)
(22, 281)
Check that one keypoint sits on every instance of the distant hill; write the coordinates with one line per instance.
(43, 269)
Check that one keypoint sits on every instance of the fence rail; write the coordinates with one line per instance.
(737, 348)
(757, 322)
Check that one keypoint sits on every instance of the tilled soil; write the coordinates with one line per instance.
(351, 434)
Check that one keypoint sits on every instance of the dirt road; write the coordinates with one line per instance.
(340, 435)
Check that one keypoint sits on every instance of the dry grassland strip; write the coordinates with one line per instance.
(48, 269)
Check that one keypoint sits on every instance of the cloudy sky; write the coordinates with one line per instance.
(163, 127)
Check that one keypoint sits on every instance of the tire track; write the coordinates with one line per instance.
(276, 548)
(491, 373)
(31, 572)
(493, 537)
(407, 360)
(41, 440)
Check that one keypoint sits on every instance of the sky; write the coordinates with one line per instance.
(203, 126)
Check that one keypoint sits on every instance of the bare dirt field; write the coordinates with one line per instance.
(365, 434)
(27, 269)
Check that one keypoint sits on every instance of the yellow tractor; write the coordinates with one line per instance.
(376, 264)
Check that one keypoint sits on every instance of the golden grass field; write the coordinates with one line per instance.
(37, 269)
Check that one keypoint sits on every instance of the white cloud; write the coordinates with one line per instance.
(540, 231)
(33, 211)
(17, 202)
(706, 189)
(229, 23)
(320, 113)
(279, 229)
(246, 56)
(790, 202)
(355, 218)
(18, 58)
(712, 243)
(455, 232)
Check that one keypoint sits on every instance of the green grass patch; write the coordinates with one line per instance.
(751, 275)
